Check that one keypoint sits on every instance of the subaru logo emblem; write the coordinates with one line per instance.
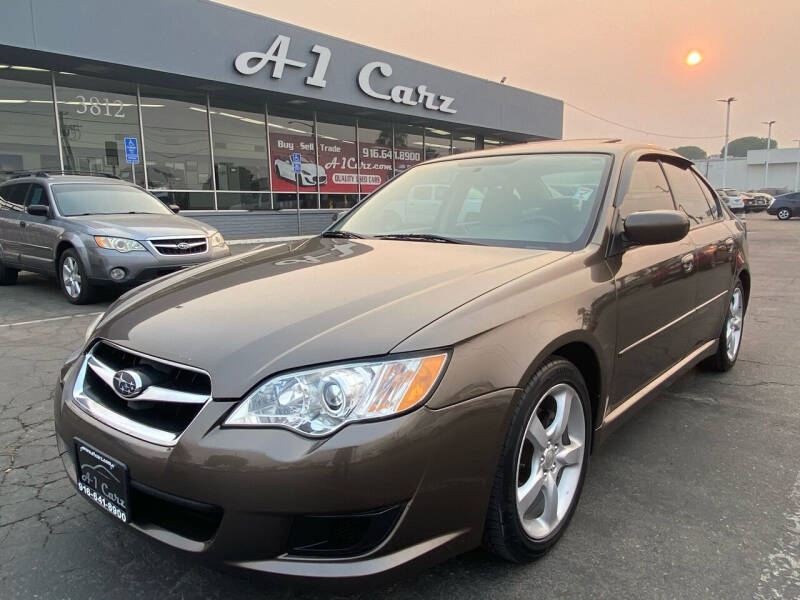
(183, 246)
(128, 384)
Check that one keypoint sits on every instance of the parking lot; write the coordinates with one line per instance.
(697, 496)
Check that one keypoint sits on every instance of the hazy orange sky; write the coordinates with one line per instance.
(620, 59)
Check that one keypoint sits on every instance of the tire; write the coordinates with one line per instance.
(73, 280)
(8, 276)
(784, 214)
(529, 458)
(732, 331)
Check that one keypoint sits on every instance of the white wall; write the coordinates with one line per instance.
(748, 173)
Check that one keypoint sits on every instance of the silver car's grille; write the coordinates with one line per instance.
(160, 412)
(177, 246)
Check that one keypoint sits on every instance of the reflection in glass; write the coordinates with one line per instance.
(407, 147)
(463, 143)
(186, 200)
(96, 116)
(293, 132)
(375, 143)
(176, 140)
(240, 145)
(243, 201)
(289, 201)
(27, 122)
(336, 149)
(437, 143)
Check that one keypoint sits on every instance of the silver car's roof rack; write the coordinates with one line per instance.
(49, 172)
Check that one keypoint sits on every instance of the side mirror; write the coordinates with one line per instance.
(175, 208)
(656, 227)
(38, 210)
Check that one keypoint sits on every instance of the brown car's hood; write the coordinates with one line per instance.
(249, 316)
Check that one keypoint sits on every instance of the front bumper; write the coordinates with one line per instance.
(144, 266)
(437, 466)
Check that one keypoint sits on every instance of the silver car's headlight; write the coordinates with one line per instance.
(216, 240)
(319, 401)
(119, 244)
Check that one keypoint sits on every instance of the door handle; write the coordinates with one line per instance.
(729, 244)
(688, 263)
(23, 224)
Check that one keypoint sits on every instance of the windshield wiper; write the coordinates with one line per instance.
(342, 234)
(421, 237)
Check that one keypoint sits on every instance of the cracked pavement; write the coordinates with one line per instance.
(698, 495)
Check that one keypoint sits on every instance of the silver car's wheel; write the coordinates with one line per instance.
(550, 461)
(733, 324)
(71, 277)
(784, 213)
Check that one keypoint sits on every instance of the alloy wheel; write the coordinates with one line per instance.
(733, 325)
(71, 276)
(784, 214)
(550, 460)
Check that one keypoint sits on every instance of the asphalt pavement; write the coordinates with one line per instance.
(697, 496)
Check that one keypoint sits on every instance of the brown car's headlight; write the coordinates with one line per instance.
(319, 401)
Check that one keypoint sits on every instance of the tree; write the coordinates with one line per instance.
(691, 152)
(740, 146)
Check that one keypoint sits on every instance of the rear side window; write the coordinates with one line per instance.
(648, 190)
(688, 195)
(15, 194)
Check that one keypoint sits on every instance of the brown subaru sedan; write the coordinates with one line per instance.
(429, 374)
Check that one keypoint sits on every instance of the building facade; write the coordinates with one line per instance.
(217, 100)
(751, 173)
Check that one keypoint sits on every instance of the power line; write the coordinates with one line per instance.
(666, 135)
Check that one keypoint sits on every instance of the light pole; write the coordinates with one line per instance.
(797, 169)
(727, 134)
(769, 143)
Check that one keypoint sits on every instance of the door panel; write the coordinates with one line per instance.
(40, 234)
(715, 269)
(655, 298)
(11, 209)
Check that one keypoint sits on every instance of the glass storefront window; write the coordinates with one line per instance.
(375, 143)
(337, 200)
(186, 200)
(289, 201)
(407, 147)
(289, 132)
(243, 201)
(463, 143)
(437, 143)
(239, 133)
(96, 115)
(336, 150)
(176, 142)
(27, 120)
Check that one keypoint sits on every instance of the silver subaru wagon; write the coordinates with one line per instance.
(93, 231)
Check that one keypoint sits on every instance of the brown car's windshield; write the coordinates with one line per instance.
(537, 200)
(75, 199)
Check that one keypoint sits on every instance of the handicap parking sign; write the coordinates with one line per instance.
(296, 162)
(131, 150)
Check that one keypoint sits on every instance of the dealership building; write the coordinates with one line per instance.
(205, 104)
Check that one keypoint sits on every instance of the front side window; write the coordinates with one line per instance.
(688, 195)
(74, 199)
(37, 196)
(648, 190)
(529, 200)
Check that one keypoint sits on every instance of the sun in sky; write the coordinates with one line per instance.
(693, 58)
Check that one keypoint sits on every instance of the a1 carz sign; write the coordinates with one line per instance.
(369, 78)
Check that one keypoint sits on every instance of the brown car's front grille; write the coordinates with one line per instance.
(170, 401)
(179, 246)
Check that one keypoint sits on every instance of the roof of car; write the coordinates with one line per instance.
(43, 176)
(615, 146)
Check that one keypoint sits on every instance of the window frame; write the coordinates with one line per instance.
(692, 226)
